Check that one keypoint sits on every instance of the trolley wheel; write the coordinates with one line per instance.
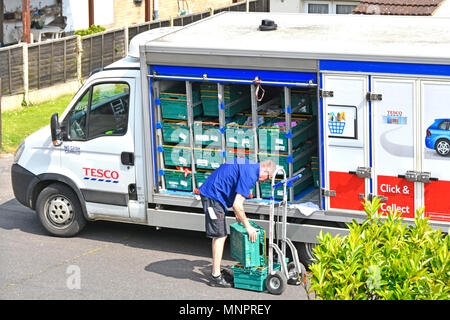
(276, 283)
(294, 277)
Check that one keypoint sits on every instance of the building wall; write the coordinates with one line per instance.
(128, 12)
(300, 6)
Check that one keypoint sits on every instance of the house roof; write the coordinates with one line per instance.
(398, 7)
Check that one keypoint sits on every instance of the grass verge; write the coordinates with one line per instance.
(20, 123)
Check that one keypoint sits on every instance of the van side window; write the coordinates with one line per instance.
(103, 110)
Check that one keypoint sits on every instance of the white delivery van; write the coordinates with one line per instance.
(359, 104)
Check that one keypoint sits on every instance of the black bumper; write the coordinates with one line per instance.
(23, 182)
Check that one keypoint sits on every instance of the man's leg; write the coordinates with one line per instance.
(217, 251)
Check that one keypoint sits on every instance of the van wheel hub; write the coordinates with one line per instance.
(59, 211)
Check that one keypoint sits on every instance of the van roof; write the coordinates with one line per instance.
(236, 35)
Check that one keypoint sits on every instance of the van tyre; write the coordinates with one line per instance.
(59, 211)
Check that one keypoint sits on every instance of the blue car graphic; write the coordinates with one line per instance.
(438, 136)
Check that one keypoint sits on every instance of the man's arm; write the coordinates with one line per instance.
(238, 207)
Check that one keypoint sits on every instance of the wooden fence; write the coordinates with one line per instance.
(25, 67)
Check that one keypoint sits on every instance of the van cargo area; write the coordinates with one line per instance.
(185, 164)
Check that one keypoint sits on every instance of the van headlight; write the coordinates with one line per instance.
(19, 152)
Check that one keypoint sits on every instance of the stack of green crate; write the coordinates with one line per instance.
(315, 170)
(174, 102)
(251, 278)
(252, 270)
(301, 184)
(236, 98)
(272, 133)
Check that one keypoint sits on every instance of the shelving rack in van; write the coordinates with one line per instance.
(190, 128)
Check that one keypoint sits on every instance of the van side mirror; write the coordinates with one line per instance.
(55, 129)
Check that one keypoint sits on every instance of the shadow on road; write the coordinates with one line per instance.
(195, 270)
(13, 215)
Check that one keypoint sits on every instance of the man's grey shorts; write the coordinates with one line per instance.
(215, 222)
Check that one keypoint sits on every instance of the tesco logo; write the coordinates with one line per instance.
(100, 173)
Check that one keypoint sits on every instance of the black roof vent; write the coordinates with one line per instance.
(267, 25)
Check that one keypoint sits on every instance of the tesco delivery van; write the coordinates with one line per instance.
(350, 101)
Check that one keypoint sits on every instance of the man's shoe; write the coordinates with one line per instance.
(219, 282)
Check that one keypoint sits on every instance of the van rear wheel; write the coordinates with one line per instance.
(59, 211)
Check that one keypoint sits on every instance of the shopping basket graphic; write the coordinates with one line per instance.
(336, 127)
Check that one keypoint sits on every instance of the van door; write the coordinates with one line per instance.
(435, 149)
(99, 151)
(346, 131)
(394, 142)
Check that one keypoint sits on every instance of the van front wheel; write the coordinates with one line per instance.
(59, 211)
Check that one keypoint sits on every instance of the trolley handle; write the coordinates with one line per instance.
(287, 180)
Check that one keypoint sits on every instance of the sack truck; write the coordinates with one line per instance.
(360, 104)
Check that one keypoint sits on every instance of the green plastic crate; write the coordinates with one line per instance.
(206, 158)
(249, 254)
(177, 156)
(238, 135)
(315, 170)
(303, 183)
(253, 278)
(300, 156)
(177, 180)
(175, 131)
(272, 138)
(232, 153)
(236, 99)
(201, 176)
(174, 102)
(206, 132)
(300, 102)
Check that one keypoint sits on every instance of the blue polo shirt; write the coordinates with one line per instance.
(235, 176)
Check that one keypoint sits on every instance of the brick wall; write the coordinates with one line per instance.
(127, 12)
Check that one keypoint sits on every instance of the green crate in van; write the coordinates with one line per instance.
(206, 132)
(175, 131)
(238, 135)
(252, 278)
(174, 102)
(272, 133)
(315, 170)
(236, 99)
(233, 153)
(300, 156)
(301, 184)
(247, 253)
(177, 180)
(177, 156)
(207, 158)
(201, 176)
(300, 102)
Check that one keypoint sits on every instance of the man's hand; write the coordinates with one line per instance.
(238, 208)
(252, 233)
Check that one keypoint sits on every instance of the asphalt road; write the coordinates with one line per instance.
(107, 260)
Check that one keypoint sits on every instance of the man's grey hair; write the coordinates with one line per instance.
(269, 166)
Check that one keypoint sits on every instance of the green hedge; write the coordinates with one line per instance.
(383, 259)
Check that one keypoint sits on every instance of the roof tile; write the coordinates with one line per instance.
(398, 7)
